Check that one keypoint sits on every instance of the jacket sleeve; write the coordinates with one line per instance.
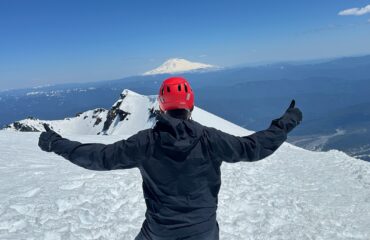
(123, 154)
(259, 145)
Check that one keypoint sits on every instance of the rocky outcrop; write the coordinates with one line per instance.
(153, 113)
(22, 127)
(114, 112)
(96, 116)
(131, 112)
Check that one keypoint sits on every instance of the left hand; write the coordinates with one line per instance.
(47, 138)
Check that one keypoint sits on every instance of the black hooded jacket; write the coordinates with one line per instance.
(179, 161)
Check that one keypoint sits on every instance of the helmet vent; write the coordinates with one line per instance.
(179, 87)
(186, 88)
(168, 89)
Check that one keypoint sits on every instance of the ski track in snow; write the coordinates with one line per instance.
(294, 194)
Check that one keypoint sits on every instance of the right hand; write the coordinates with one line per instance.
(295, 112)
(293, 116)
(47, 138)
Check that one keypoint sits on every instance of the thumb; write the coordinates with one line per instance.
(47, 128)
(292, 104)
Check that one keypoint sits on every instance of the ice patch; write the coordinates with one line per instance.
(72, 186)
(52, 236)
(30, 193)
(24, 209)
(17, 226)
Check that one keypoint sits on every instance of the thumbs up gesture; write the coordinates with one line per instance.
(295, 113)
(291, 118)
(47, 138)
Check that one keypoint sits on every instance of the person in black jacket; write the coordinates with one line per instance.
(179, 160)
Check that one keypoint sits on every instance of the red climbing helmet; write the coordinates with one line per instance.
(175, 93)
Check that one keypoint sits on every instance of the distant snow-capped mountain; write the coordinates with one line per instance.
(177, 65)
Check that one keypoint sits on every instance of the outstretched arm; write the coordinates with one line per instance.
(257, 146)
(94, 156)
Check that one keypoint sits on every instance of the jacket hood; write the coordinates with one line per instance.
(177, 135)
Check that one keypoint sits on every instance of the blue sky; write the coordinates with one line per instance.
(48, 42)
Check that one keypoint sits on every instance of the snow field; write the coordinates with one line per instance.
(294, 194)
(43, 196)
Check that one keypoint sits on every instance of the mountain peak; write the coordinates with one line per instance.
(177, 65)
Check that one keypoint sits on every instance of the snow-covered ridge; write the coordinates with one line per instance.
(178, 65)
(131, 113)
(89, 122)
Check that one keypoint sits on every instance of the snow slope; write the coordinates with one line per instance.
(293, 194)
(89, 122)
(131, 113)
(177, 65)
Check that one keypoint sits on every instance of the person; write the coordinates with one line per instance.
(179, 160)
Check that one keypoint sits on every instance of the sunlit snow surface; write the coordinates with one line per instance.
(294, 194)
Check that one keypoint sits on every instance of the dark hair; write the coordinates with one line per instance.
(183, 114)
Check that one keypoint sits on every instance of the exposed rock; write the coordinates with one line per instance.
(153, 113)
(98, 110)
(22, 127)
(122, 114)
(114, 112)
(98, 121)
